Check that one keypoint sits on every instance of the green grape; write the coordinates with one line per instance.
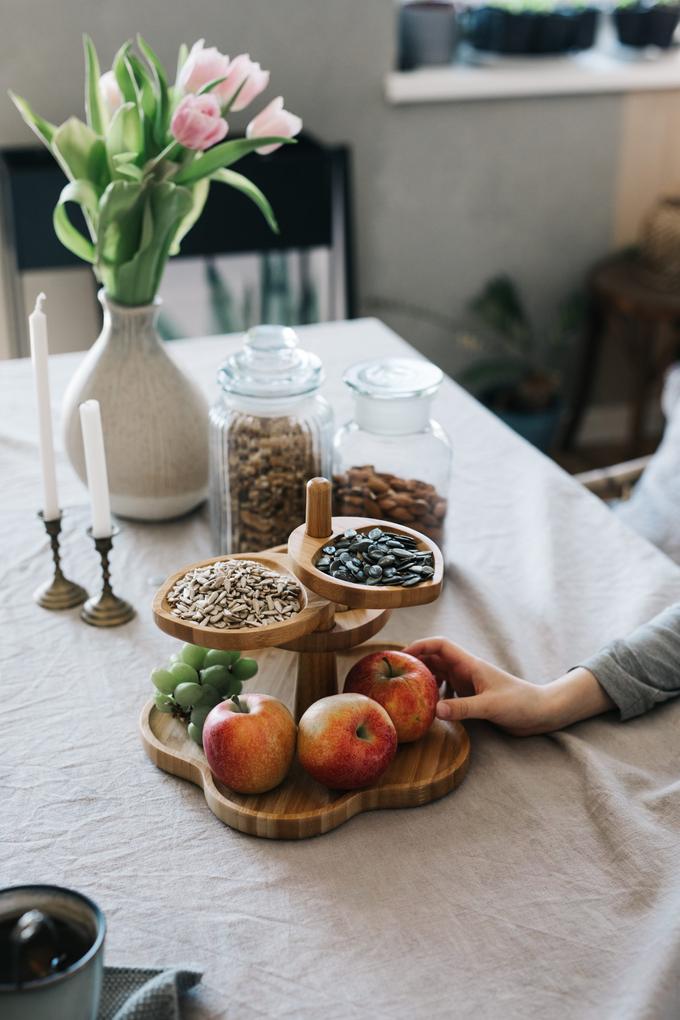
(209, 696)
(163, 702)
(185, 673)
(193, 655)
(195, 732)
(215, 675)
(244, 669)
(164, 681)
(189, 694)
(216, 658)
(200, 714)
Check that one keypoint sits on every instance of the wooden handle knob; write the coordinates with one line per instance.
(319, 520)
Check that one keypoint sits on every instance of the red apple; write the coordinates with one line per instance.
(346, 741)
(250, 749)
(402, 685)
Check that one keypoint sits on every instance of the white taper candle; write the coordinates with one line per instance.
(37, 326)
(95, 465)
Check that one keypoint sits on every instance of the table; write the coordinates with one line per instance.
(627, 302)
(546, 886)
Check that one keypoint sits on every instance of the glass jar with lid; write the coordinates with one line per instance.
(393, 461)
(270, 432)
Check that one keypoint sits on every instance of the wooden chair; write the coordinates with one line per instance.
(616, 482)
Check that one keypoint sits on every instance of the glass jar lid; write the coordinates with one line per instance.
(271, 364)
(394, 378)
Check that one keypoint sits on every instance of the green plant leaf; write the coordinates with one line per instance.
(42, 128)
(125, 134)
(181, 59)
(84, 194)
(121, 209)
(129, 170)
(199, 195)
(161, 89)
(210, 85)
(94, 109)
(146, 96)
(80, 153)
(249, 189)
(136, 280)
(124, 75)
(223, 155)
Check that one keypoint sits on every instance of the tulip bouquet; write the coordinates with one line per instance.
(140, 167)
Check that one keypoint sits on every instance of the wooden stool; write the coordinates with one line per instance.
(627, 301)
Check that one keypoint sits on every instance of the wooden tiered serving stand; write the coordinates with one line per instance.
(337, 616)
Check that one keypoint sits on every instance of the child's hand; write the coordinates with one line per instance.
(483, 691)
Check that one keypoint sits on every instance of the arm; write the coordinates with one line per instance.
(629, 675)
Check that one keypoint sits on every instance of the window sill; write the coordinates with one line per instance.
(595, 71)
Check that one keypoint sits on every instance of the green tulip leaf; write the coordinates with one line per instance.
(42, 128)
(94, 108)
(199, 195)
(160, 207)
(251, 190)
(121, 208)
(84, 194)
(124, 75)
(160, 83)
(223, 155)
(125, 132)
(80, 153)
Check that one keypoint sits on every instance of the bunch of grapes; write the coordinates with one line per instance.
(195, 680)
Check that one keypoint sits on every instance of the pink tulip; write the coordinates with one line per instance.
(109, 90)
(273, 120)
(202, 66)
(197, 122)
(243, 70)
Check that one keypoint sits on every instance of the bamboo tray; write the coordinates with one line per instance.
(421, 772)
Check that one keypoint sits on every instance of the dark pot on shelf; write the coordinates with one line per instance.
(585, 28)
(531, 33)
(640, 25)
(552, 32)
(496, 30)
(428, 34)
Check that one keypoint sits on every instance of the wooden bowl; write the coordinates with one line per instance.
(304, 550)
(316, 612)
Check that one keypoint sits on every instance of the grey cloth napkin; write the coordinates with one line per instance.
(136, 993)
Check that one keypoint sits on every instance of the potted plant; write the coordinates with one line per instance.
(531, 27)
(140, 168)
(639, 24)
(519, 376)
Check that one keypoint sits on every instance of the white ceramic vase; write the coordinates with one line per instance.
(155, 419)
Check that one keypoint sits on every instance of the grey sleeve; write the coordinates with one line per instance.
(643, 669)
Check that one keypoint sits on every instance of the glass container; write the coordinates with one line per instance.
(393, 461)
(270, 432)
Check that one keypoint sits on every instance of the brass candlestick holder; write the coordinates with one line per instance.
(107, 610)
(59, 593)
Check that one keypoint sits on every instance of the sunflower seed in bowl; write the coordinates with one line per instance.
(234, 594)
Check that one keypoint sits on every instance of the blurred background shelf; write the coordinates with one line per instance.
(595, 71)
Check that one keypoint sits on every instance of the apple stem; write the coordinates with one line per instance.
(240, 707)
(390, 674)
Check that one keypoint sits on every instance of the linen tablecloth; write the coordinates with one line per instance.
(547, 885)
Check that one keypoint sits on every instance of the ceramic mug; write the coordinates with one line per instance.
(71, 994)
